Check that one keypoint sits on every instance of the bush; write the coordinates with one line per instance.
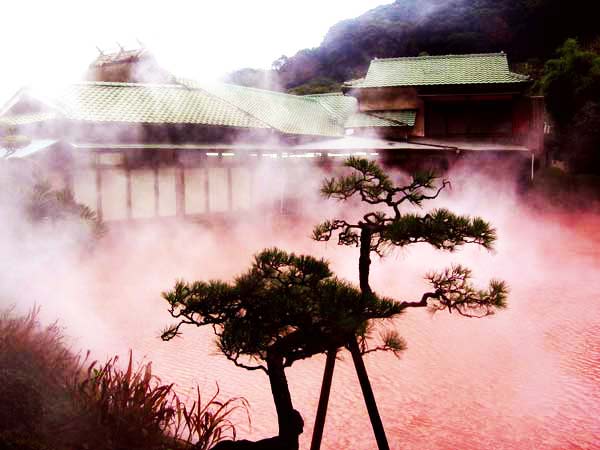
(54, 400)
(34, 363)
(133, 409)
(555, 188)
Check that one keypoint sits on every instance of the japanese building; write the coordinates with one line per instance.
(135, 142)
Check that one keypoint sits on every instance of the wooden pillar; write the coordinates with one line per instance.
(128, 193)
(179, 191)
(537, 125)
(365, 385)
(229, 189)
(207, 189)
(98, 191)
(323, 400)
(156, 192)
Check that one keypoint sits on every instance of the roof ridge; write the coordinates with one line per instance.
(185, 83)
(366, 113)
(379, 115)
(313, 101)
(463, 55)
(269, 92)
(125, 84)
(519, 76)
(325, 94)
(330, 111)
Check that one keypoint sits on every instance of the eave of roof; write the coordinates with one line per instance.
(32, 148)
(26, 119)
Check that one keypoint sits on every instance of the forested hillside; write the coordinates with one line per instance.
(528, 30)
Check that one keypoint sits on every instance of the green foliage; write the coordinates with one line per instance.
(50, 403)
(45, 204)
(570, 81)
(206, 423)
(385, 230)
(131, 406)
(571, 85)
(27, 194)
(34, 362)
(441, 228)
(319, 85)
(135, 410)
(525, 29)
(558, 189)
(288, 303)
(456, 293)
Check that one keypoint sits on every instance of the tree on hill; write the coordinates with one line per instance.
(571, 85)
(528, 30)
(379, 231)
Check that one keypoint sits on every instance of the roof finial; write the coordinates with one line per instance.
(122, 50)
(101, 53)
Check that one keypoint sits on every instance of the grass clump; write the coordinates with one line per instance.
(52, 399)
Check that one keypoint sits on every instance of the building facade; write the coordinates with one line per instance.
(134, 142)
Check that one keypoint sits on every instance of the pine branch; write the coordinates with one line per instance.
(391, 342)
(454, 292)
(441, 228)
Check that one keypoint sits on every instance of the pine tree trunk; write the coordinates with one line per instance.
(364, 262)
(364, 266)
(287, 417)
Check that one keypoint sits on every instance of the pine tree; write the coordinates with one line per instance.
(285, 308)
(290, 307)
(380, 231)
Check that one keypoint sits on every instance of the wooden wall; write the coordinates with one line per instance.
(128, 185)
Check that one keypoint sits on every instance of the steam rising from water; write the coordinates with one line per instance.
(526, 378)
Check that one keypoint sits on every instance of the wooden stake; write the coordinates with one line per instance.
(367, 391)
(323, 400)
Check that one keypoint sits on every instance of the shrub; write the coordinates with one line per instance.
(132, 409)
(51, 399)
(34, 362)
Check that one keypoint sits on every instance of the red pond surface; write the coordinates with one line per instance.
(526, 378)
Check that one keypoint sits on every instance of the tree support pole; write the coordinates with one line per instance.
(323, 400)
(367, 391)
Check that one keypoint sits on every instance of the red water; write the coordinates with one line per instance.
(526, 378)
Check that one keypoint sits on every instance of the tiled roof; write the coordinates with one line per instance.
(289, 114)
(404, 117)
(487, 68)
(337, 104)
(345, 109)
(149, 103)
(382, 119)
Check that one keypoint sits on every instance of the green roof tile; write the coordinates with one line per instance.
(404, 117)
(289, 114)
(382, 119)
(138, 103)
(487, 68)
(148, 103)
(337, 104)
